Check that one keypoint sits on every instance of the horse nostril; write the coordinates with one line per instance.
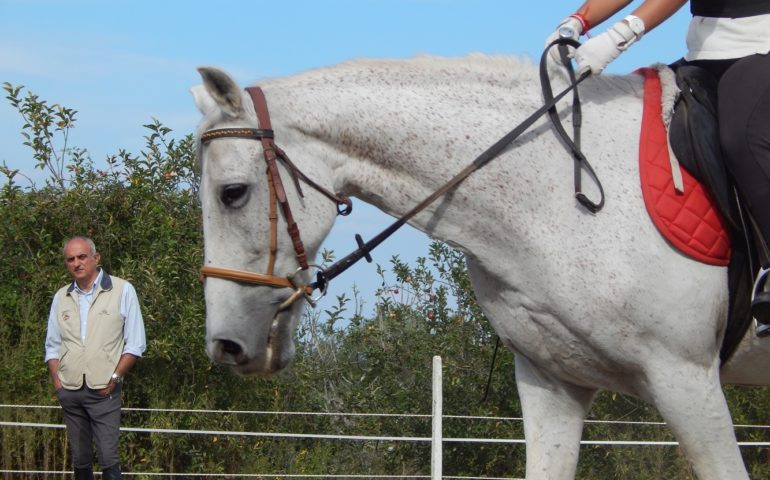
(228, 352)
(230, 347)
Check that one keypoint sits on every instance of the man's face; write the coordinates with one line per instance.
(80, 263)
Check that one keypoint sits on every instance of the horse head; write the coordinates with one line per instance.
(255, 282)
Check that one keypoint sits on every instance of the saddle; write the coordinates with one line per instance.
(719, 236)
(678, 203)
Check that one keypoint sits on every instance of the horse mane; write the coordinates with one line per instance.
(473, 66)
(500, 71)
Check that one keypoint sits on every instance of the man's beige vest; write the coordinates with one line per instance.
(97, 358)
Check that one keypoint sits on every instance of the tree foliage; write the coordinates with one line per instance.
(142, 212)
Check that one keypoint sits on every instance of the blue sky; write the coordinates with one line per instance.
(120, 64)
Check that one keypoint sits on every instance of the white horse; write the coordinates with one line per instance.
(587, 302)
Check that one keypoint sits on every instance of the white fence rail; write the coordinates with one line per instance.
(436, 439)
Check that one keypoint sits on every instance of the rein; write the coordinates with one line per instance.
(272, 153)
(364, 249)
(580, 161)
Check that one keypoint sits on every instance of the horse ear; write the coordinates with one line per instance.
(203, 99)
(222, 89)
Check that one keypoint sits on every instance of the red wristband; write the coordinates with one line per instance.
(583, 22)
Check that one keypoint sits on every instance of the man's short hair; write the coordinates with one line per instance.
(91, 244)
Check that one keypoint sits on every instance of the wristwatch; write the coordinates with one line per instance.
(565, 31)
(636, 24)
(116, 378)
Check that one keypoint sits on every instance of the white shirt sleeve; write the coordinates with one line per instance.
(53, 336)
(133, 329)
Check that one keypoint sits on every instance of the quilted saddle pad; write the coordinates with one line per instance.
(689, 220)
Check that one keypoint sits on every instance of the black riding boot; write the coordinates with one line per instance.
(760, 303)
(85, 473)
(111, 473)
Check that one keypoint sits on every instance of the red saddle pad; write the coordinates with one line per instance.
(690, 221)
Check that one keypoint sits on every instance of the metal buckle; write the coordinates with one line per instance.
(310, 299)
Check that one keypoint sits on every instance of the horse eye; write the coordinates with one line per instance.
(234, 195)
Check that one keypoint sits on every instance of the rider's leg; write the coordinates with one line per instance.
(744, 117)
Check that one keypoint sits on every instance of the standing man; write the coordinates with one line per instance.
(95, 334)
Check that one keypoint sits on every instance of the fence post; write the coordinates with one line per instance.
(436, 452)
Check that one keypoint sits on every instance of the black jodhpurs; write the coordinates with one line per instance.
(744, 128)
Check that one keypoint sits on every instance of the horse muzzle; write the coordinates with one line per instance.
(272, 356)
(252, 343)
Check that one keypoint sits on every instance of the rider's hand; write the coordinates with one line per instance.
(570, 27)
(597, 52)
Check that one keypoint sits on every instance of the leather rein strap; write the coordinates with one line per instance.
(364, 249)
(580, 160)
(277, 194)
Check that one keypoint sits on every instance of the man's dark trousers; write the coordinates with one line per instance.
(92, 419)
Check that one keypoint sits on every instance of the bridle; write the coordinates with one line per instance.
(344, 205)
(277, 196)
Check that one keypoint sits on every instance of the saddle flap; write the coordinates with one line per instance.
(690, 221)
(694, 137)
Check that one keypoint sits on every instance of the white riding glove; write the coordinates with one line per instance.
(596, 53)
(570, 27)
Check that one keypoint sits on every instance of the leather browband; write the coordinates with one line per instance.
(249, 133)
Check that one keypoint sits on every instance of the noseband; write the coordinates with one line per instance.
(277, 195)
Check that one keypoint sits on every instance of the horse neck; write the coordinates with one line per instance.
(392, 132)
